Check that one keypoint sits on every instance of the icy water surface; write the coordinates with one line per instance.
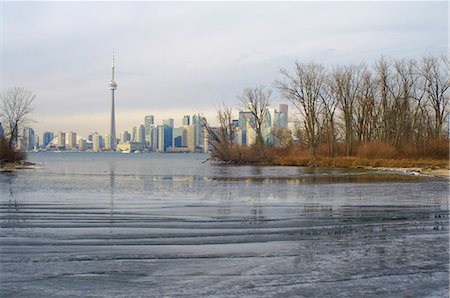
(150, 225)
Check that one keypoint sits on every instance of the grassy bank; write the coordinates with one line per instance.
(430, 156)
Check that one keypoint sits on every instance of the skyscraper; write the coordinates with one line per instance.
(186, 120)
(112, 87)
(47, 138)
(141, 134)
(149, 121)
(126, 136)
(28, 135)
(164, 137)
(72, 140)
(61, 140)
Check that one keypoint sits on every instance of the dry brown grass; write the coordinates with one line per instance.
(375, 154)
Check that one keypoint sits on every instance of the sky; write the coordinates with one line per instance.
(177, 58)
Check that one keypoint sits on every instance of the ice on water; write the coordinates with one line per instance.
(115, 225)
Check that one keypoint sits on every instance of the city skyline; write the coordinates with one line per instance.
(187, 58)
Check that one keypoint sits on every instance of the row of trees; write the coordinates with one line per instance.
(396, 102)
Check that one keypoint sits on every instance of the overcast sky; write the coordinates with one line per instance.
(175, 58)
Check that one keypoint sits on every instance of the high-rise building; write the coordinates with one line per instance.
(134, 134)
(97, 142)
(28, 137)
(61, 140)
(186, 120)
(126, 136)
(168, 122)
(244, 118)
(190, 137)
(141, 134)
(178, 135)
(196, 122)
(205, 140)
(72, 140)
(112, 87)
(47, 137)
(154, 139)
(149, 121)
(283, 118)
(36, 141)
(82, 145)
(164, 137)
(108, 144)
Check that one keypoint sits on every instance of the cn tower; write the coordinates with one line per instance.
(112, 87)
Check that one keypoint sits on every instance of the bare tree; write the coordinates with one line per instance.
(366, 117)
(346, 84)
(282, 136)
(256, 101)
(329, 110)
(436, 86)
(221, 138)
(304, 90)
(15, 108)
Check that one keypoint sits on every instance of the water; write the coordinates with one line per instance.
(151, 225)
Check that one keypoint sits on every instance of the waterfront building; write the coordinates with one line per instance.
(72, 140)
(205, 140)
(28, 138)
(244, 118)
(134, 134)
(47, 137)
(190, 137)
(186, 120)
(283, 117)
(97, 142)
(61, 145)
(154, 138)
(130, 146)
(36, 142)
(141, 134)
(178, 135)
(126, 136)
(112, 86)
(107, 140)
(149, 121)
(164, 137)
(82, 144)
(196, 122)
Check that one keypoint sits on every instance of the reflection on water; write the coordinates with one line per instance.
(121, 225)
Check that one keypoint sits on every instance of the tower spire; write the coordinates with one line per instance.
(112, 87)
(113, 64)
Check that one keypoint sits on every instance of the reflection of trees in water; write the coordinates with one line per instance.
(224, 209)
(11, 218)
(256, 211)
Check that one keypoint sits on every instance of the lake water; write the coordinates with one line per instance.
(151, 225)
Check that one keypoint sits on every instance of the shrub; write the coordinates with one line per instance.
(8, 154)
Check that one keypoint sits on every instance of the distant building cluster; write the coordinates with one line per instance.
(191, 136)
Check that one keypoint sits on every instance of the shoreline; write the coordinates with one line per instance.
(424, 171)
(443, 173)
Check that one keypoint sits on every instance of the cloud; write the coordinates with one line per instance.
(189, 56)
